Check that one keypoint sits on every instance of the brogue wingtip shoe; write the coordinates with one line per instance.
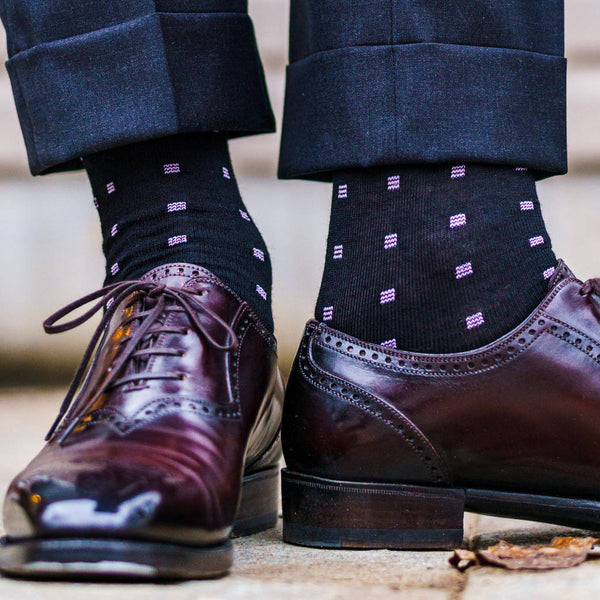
(170, 442)
(393, 447)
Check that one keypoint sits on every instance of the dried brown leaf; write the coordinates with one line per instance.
(562, 554)
(463, 559)
(586, 543)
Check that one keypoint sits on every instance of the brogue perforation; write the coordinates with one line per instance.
(378, 409)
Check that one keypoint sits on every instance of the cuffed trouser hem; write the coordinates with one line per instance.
(423, 103)
(157, 75)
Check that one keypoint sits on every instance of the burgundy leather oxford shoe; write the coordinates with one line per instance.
(167, 441)
(387, 449)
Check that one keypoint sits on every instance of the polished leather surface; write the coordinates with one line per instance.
(521, 414)
(162, 457)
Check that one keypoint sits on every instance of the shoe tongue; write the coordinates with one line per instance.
(561, 272)
(176, 275)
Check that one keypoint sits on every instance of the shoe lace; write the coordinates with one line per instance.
(156, 300)
(591, 286)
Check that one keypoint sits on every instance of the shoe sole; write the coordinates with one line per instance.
(325, 513)
(110, 559)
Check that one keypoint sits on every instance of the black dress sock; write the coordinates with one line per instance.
(434, 259)
(175, 199)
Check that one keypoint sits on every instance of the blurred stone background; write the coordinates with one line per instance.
(50, 252)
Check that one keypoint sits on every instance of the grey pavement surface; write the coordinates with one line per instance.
(267, 569)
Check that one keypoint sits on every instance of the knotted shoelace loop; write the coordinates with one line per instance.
(149, 325)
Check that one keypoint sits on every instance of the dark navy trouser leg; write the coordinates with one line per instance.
(370, 82)
(376, 82)
(95, 74)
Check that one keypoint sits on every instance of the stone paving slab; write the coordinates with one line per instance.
(232, 588)
(579, 583)
(265, 557)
